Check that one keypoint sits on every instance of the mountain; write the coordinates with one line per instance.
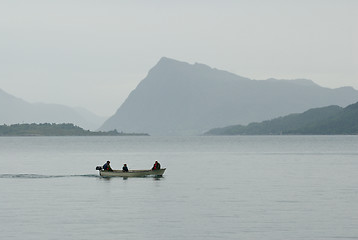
(318, 121)
(177, 98)
(14, 110)
(94, 121)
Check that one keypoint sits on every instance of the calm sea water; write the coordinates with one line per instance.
(271, 187)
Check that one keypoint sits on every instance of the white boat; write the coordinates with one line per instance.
(131, 173)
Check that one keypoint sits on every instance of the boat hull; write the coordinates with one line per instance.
(132, 173)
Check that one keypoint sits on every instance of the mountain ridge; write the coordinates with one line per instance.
(328, 120)
(14, 110)
(178, 98)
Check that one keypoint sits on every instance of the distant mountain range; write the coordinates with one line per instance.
(177, 98)
(14, 110)
(318, 121)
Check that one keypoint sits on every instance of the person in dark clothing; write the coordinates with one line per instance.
(156, 166)
(125, 168)
(107, 167)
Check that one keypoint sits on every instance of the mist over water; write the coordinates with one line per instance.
(262, 187)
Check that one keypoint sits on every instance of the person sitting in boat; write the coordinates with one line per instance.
(125, 168)
(107, 167)
(156, 166)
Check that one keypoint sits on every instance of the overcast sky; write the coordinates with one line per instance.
(94, 53)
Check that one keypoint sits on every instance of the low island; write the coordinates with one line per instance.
(53, 129)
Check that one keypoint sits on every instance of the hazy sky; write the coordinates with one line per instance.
(94, 53)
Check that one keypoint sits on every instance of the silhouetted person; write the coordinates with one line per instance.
(107, 167)
(156, 166)
(125, 168)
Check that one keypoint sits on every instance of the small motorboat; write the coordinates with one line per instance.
(130, 173)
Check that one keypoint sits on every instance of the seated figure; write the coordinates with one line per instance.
(156, 166)
(125, 168)
(107, 167)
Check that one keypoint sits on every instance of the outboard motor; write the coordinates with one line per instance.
(99, 168)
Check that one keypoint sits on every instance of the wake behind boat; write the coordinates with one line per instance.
(131, 173)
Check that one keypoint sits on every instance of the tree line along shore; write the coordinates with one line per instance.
(53, 129)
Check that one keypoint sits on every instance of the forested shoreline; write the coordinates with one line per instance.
(53, 129)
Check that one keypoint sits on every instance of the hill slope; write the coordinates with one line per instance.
(319, 121)
(178, 98)
(14, 110)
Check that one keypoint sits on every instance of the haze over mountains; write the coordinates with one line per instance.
(14, 110)
(177, 98)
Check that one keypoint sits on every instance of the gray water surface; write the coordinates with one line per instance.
(262, 187)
